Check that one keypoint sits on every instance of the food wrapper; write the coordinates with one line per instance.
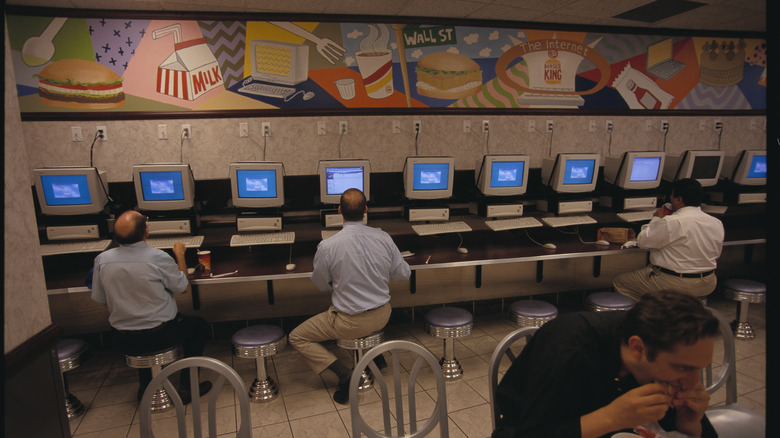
(653, 430)
(616, 235)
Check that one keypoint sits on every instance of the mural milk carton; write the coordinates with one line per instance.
(190, 71)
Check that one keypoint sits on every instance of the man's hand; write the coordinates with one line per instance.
(179, 249)
(636, 407)
(690, 405)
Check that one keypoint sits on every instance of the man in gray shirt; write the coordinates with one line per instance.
(136, 283)
(356, 266)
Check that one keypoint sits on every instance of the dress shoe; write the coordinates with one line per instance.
(341, 396)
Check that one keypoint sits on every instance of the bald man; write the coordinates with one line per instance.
(355, 266)
(137, 284)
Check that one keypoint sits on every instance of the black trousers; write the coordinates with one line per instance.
(189, 331)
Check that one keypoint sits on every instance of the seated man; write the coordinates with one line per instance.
(593, 374)
(136, 283)
(356, 266)
(684, 247)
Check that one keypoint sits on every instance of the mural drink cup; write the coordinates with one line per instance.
(376, 68)
(204, 258)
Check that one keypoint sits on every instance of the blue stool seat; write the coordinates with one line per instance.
(449, 323)
(608, 301)
(69, 355)
(532, 313)
(743, 292)
(258, 342)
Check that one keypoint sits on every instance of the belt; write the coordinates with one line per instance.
(684, 275)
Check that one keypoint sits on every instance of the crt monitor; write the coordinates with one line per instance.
(571, 172)
(502, 175)
(164, 187)
(70, 191)
(703, 166)
(748, 168)
(635, 170)
(257, 184)
(428, 177)
(336, 176)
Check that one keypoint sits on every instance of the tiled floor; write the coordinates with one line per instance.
(305, 407)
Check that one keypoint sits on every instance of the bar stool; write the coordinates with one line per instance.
(156, 360)
(449, 323)
(608, 301)
(259, 342)
(358, 347)
(532, 313)
(69, 354)
(743, 292)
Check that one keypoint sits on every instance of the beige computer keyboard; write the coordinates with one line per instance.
(565, 221)
(74, 247)
(441, 228)
(273, 238)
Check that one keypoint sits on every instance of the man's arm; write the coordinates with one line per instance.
(178, 251)
(634, 408)
(320, 275)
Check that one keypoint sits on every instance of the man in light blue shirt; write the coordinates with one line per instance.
(136, 283)
(356, 266)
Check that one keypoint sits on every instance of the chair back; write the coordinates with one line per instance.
(731, 420)
(194, 364)
(503, 348)
(421, 356)
(727, 375)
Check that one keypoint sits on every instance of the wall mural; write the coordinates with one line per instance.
(114, 65)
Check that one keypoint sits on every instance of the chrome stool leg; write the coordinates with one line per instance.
(263, 387)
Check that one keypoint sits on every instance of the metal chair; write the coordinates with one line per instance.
(194, 364)
(503, 348)
(731, 420)
(421, 356)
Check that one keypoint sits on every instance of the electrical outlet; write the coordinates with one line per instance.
(75, 133)
(243, 129)
(486, 126)
(322, 128)
(396, 127)
(532, 126)
(102, 133)
(266, 127)
(648, 125)
(702, 125)
(609, 125)
(592, 126)
(162, 132)
(665, 125)
(416, 126)
(753, 124)
(718, 125)
(343, 127)
(467, 126)
(549, 126)
(186, 131)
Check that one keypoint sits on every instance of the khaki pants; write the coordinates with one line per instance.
(649, 279)
(333, 325)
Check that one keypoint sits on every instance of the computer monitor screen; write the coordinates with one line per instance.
(747, 169)
(571, 173)
(428, 177)
(257, 184)
(703, 166)
(70, 191)
(502, 175)
(635, 170)
(336, 176)
(164, 187)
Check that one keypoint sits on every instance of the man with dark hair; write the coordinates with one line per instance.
(356, 266)
(136, 283)
(684, 244)
(592, 374)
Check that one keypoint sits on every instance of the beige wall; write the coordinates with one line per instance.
(294, 140)
(26, 306)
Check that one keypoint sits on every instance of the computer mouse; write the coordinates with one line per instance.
(601, 243)
(308, 95)
(549, 246)
(463, 250)
(290, 267)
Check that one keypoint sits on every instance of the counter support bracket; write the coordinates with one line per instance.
(270, 286)
(596, 266)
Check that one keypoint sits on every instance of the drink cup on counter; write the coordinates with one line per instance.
(204, 258)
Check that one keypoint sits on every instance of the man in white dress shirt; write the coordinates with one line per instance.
(684, 248)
